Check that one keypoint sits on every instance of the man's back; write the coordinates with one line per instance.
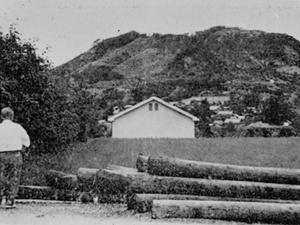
(12, 136)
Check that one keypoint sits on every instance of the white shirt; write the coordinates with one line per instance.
(12, 136)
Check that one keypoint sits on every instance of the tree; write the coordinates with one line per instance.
(296, 124)
(276, 110)
(229, 130)
(203, 113)
(88, 108)
(27, 87)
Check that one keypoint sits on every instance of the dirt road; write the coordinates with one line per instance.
(29, 213)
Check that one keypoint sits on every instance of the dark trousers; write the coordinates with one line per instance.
(10, 173)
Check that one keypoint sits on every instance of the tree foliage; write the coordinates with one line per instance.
(203, 113)
(27, 87)
(276, 110)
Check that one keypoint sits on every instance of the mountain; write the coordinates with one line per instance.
(134, 66)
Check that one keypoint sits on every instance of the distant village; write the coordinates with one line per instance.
(221, 116)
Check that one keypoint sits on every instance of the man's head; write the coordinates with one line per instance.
(7, 114)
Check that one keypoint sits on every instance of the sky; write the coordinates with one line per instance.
(69, 27)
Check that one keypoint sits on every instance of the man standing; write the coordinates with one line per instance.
(13, 139)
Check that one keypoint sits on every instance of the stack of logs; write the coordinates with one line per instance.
(169, 187)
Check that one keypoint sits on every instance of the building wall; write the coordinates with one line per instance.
(143, 123)
(216, 99)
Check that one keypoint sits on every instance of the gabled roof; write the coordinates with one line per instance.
(111, 119)
(233, 120)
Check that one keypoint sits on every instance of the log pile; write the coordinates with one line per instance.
(170, 187)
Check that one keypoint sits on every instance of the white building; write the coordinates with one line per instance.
(153, 118)
(225, 112)
(233, 120)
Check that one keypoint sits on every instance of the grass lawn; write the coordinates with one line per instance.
(98, 153)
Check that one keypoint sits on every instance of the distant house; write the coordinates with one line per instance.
(153, 118)
(214, 107)
(233, 120)
(225, 112)
(241, 117)
(217, 123)
(212, 99)
(215, 98)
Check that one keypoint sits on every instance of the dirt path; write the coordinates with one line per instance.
(81, 214)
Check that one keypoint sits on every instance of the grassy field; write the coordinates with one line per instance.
(98, 153)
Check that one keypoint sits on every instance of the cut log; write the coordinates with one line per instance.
(43, 202)
(142, 203)
(142, 163)
(248, 212)
(112, 184)
(53, 175)
(61, 180)
(46, 193)
(86, 178)
(36, 192)
(66, 195)
(129, 180)
(166, 166)
(115, 179)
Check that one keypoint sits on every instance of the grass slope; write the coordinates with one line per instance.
(98, 153)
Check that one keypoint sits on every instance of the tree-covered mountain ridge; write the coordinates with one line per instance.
(180, 66)
(214, 56)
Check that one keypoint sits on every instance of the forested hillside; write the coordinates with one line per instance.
(251, 65)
